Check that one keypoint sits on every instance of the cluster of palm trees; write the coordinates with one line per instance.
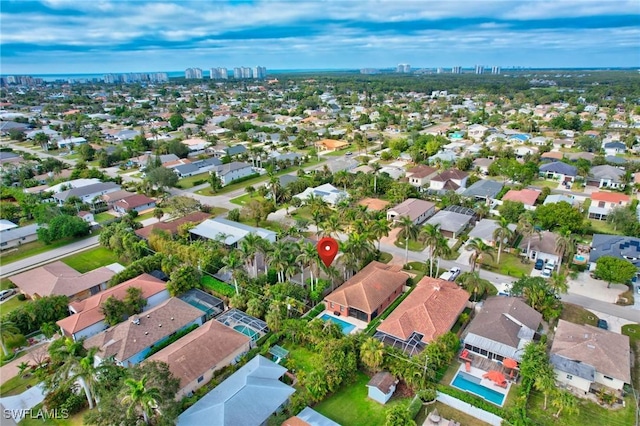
(430, 234)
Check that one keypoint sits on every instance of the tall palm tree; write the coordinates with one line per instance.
(432, 234)
(564, 243)
(408, 231)
(309, 257)
(249, 248)
(360, 247)
(84, 371)
(472, 282)
(8, 330)
(502, 233)
(440, 249)
(372, 353)
(376, 168)
(232, 264)
(379, 228)
(526, 229)
(480, 249)
(545, 382)
(140, 398)
(332, 226)
(558, 283)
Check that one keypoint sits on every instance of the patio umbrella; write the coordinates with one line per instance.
(495, 376)
(510, 363)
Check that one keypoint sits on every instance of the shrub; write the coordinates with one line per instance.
(22, 297)
(473, 400)
(218, 288)
(414, 407)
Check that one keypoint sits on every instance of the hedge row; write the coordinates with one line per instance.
(217, 287)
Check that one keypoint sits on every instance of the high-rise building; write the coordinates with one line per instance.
(456, 70)
(193, 73)
(218, 73)
(440, 70)
(403, 68)
(495, 70)
(479, 69)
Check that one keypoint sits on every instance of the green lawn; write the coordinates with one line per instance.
(303, 212)
(300, 358)
(244, 199)
(10, 305)
(553, 184)
(89, 260)
(448, 413)
(190, 182)
(147, 215)
(385, 257)
(603, 227)
(103, 217)
(590, 413)
(74, 420)
(17, 385)
(339, 152)
(578, 315)
(413, 244)
(36, 247)
(266, 224)
(350, 406)
(510, 265)
(633, 331)
(5, 284)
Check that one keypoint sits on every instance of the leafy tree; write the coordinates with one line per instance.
(614, 270)
(511, 210)
(8, 330)
(162, 177)
(215, 182)
(560, 215)
(86, 152)
(134, 301)
(620, 216)
(114, 310)
(176, 121)
(183, 279)
(472, 282)
(30, 315)
(398, 415)
(158, 213)
(588, 143)
(182, 205)
(63, 226)
(538, 294)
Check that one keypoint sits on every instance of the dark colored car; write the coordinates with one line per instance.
(539, 264)
(603, 324)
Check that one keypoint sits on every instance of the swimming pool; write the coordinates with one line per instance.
(472, 385)
(579, 258)
(345, 326)
(247, 332)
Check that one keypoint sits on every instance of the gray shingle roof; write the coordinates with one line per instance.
(559, 167)
(484, 188)
(621, 247)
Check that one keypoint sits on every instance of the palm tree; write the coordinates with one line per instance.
(376, 168)
(472, 282)
(332, 226)
(232, 264)
(526, 229)
(564, 243)
(372, 353)
(140, 398)
(558, 283)
(441, 248)
(8, 330)
(563, 400)
(249, 248)
(502, 233)
(85, 372)
(360, 247)
(380, 228)
(545, 382)
(480, 249)
(408, 231)
(308, 257)
(432, 234)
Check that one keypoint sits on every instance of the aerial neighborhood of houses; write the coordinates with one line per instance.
(160, 263)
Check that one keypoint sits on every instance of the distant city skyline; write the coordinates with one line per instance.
(72, 36)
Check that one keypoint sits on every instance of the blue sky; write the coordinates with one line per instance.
(95, 36)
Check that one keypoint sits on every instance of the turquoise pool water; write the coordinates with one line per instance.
(579, 258)
(247, 332)
(472, 385)
(345, 326)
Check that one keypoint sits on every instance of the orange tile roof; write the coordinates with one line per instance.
(553, 154)
(89, 312)
(431, 309)
(373, 203)
(525, 196)
(332, 143)
(610, 197)
(172, 227)
(370, 287)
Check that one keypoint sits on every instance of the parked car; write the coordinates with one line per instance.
(454, 273)
(539, 264)
(603, 324)
(5, 294)
(546, 273)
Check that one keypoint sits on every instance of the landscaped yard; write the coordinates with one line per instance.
(448, 413)
(300, 358)
(10, 305)
(540, 183)
(510, 265)
(603, 227)
(36, 247)
(191, 181)
(350, 406)
(74, 420)
(413, 244)
(17, 385)
(590, 413)
(244, 199)
(145, 216)
(578, 315)
(89, 260)
(103, 217)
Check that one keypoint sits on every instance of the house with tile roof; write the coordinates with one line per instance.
(502, 328)
(603, 202)
(428, 312)
(526, 196)
(194, 358)
(129, 342)
(248, 397)
(365, 295)
(137, 202)
(87, 318)
(173, 226)
(59, 279)
(540, 246)
(588, 358)
(415, 209)
(451, 180)
(331, 144)
(420, 175)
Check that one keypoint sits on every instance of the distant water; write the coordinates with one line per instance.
(171, 74)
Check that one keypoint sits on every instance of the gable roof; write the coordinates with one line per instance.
(421, 171)
(172, 227)
(201, 350)
(375, 204)
(383, 381)
(86, 190)
(225, 169)
(19, 232)
(451, 174)
(88, 311)
(58, 278)
(230, 230)
(247, 397)
(431, 309)
(545, 242)
(367, 289)
(413, 208)
(606, 351)
(524, 196)
(127, 338)
(484, 229)
(450, 221)
(134, 201)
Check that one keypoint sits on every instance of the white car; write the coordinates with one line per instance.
(546, 272)
(454, 273)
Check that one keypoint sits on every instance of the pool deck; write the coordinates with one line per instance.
(359, 325)
(476, 372)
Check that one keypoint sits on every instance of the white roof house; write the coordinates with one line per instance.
(229, 231)
(329, 193)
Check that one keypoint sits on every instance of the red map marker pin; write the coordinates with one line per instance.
(327, 249)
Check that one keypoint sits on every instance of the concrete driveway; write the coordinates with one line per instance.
(615, 323)
(26, 400)
(584, 285)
